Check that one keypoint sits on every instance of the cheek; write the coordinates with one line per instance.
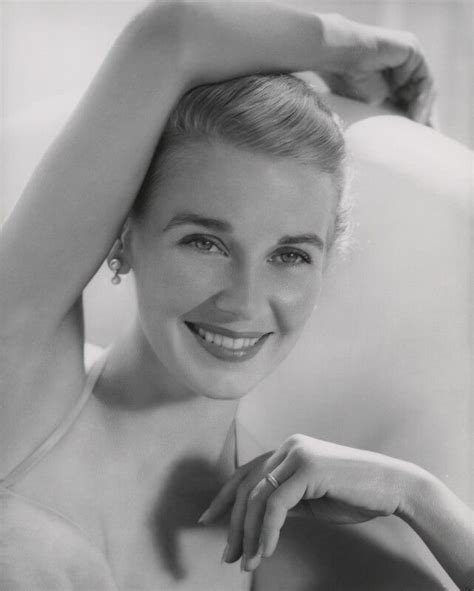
(174, 283)
(295, 301)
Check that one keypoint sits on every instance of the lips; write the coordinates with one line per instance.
(226, 344)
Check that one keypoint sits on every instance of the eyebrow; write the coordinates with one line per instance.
(199, 220)
(312, 239)
(224, 226)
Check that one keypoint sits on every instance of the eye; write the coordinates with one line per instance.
(205, 244)
(291, 257)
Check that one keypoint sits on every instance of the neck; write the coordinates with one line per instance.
(156, 415)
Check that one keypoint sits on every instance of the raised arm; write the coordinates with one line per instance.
(78, 197)
(76, 201)
(73, 205)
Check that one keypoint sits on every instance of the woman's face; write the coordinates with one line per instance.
(228, 262)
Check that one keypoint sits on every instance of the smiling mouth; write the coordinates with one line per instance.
(228, 346)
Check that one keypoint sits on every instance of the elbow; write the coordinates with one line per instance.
(162, 31)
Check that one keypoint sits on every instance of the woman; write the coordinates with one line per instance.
(228, 263)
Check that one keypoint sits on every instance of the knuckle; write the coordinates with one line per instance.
(412, 43)
(256, 495)
(301, 456)
(418, 50)
(411, 39)
(296, 440)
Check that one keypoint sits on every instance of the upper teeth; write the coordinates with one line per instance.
(225, 341)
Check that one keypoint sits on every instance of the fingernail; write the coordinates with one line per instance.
(243, 563)
(225, 554)
(253, 562)
(204, 517)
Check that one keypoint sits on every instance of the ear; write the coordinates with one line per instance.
(121, 250)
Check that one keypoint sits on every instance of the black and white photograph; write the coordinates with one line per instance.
(237, 295)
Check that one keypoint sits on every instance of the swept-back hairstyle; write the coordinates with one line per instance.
(274, 114)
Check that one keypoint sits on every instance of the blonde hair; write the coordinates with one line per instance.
(275, 114)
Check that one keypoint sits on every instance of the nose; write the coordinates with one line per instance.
(244, 296)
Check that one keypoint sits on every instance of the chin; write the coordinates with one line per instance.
(222, 387)
(228, 383)
(218, 375)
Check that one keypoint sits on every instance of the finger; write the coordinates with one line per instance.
(402, 97)
(416, 98)
(234, 546)
(223, 500)
(404, 56)
(413, 87)
(255, 511)
(287, 496)
(403, 72)
(422, 106)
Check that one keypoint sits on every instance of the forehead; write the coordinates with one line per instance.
(253, 191)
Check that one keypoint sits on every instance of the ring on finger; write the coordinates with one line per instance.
(272, 480)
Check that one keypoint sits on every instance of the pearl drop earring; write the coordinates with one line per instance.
(114, 265)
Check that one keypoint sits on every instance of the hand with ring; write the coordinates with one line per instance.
(322, 479)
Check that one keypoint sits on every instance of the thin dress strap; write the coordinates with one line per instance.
(37, 454)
